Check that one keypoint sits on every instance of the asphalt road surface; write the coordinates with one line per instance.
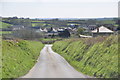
(52, 65)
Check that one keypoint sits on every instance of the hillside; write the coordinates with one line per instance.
(4, 25)
(18, 57)
(96, 57)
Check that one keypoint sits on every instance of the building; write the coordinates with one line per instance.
(92, 27)
(101, 31)
(84, 36)
(43, 30)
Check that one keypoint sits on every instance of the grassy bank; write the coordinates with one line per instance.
(18, 57)
(96, 57)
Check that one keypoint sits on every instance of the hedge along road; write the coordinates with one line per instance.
(52, 65)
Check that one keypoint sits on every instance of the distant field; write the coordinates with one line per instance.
(4, 25)
(18, 57)
(38, 21)
(107, 22)
(37, 24)
(5, 32)
(96, 57)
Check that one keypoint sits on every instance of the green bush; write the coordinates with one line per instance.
(96, 57)
(18, 57)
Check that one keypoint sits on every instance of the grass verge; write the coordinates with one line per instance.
(18, 57)
(96, 57)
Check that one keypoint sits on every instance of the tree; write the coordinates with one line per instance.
(19, 21)
(80, 31)
(64, 33)
(51, 29)
(27, 34)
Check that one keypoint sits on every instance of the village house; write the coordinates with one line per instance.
(49, 32)
(72, 30)
(54, 30)
(92, 27)
(43, 30)
(101, 31)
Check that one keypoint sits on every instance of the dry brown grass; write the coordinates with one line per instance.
(93, 40)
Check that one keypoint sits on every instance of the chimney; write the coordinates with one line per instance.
(97, 29)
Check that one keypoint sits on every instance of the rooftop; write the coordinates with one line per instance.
(102, 29)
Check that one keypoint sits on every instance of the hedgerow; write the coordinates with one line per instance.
(96, 57)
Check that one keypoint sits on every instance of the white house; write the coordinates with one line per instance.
(43, 30)
(102, 31)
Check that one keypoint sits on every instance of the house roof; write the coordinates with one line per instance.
(54, 30)
(102, 29)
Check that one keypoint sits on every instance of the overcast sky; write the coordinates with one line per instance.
(59, 8)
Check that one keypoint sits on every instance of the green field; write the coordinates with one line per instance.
(107, 22)
(4, 25)
(5, 32)
(18, 57)
(96, 57)
(37, 24)
(38, 21)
